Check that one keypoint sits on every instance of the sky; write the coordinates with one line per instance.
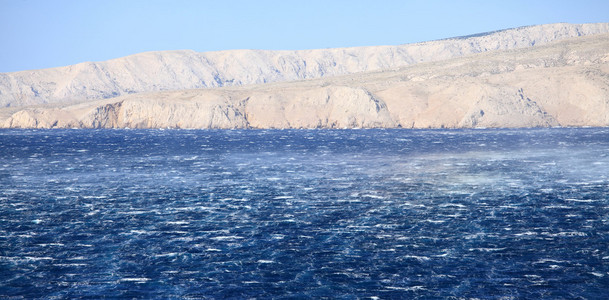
(36, 34)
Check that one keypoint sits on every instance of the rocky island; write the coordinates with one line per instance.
(535, 76)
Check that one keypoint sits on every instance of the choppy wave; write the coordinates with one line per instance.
(304, 213)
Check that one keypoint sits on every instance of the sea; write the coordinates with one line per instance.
(298, 214)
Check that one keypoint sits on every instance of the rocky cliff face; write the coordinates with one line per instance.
(564, 83)
(177, 70)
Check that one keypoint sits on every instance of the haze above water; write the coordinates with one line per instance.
(304, 213)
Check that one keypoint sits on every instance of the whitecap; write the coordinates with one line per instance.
(374, 196)
(34, 258)
(457, 205)
(486, 249)
(95, 197)
(182, 239)
(419, 258)
(265, 261)
(92, 213)
(278, 236)
(52, 244)
(138, 232)
(348, 201)
(407, 289)
(171, 254)
(549, 260)
(527, 233)
(581, 200)
(555, 267)
(177, 223)
(70, 265)
(227, 238)
(567, 233)
(556, 207)
(386, 226)
(77, 258)
(135, 279)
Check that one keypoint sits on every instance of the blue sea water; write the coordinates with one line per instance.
(284, 214)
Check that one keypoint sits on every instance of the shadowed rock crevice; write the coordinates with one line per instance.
(105, 116)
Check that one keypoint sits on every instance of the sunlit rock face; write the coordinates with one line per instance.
(537, 76)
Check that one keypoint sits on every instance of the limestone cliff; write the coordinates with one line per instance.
(177, 70)
(564, 83)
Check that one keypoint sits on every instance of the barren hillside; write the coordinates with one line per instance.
(178, 70)
(562, 83)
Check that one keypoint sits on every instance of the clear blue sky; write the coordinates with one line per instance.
(37, 34)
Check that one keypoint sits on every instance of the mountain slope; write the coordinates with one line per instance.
(564, 83)
(176, 70)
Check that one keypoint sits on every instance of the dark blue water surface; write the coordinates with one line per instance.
(376, 214)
